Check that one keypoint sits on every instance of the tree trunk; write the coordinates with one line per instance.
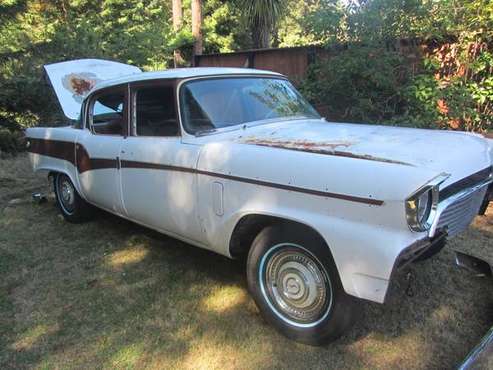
(177, 19)
(265, 39)
(197, 26)
(260, 36)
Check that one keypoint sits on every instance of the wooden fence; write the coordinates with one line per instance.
(291, 62)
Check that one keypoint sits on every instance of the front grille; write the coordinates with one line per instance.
(465, 183)
(459, 214)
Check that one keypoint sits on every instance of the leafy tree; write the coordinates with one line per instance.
(451, 88)
(224, 27)
(262, 16)
(37, 32)
(327, 22)
(294, 28)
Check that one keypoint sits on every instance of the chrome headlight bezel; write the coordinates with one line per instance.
(420, 216)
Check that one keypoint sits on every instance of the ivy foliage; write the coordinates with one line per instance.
(444, 81)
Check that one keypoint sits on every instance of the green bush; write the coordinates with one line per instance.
(451, 88)
(360, 84)
(373, 85)
(11, 142)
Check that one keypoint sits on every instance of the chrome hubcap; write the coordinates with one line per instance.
(66, 195)
(295, 285)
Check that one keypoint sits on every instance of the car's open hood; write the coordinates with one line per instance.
(73, 80)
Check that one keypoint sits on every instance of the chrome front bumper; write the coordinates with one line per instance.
(417, 249)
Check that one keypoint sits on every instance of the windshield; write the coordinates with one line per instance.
(215, 103)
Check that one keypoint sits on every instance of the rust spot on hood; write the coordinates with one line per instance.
(79, 83)
(299, 144)
(318, 147)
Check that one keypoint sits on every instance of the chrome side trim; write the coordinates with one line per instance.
(442, 206)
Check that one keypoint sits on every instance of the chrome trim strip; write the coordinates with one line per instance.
(465, 182)
(455, 198)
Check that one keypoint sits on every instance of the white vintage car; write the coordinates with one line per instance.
(237, 162)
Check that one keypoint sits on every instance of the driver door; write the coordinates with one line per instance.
(158, 177)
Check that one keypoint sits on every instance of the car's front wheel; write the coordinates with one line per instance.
(294, 281)
(72, 206)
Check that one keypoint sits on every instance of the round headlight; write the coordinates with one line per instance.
(418, 210)
(422, 205)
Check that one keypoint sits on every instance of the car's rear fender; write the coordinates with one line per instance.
(52, 150)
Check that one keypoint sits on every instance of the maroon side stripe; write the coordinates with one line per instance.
(67, 151)
(155, 166)
(53, 148)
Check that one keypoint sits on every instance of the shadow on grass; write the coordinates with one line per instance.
(113, 294)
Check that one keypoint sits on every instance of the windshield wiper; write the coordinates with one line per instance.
(205, 131)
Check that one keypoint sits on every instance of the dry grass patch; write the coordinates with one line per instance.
(110, 294)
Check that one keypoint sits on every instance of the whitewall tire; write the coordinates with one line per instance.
(72, 206)
(294, 281)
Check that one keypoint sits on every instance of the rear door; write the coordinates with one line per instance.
(98, 147)
(157, 170)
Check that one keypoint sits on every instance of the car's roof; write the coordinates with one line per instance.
(182, 73)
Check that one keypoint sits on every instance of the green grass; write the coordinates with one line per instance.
(110, 294)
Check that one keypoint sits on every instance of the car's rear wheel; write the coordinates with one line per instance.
(295, 283)
(72, 206)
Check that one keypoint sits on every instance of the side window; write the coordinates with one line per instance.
(155, 112)
(108, 114)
